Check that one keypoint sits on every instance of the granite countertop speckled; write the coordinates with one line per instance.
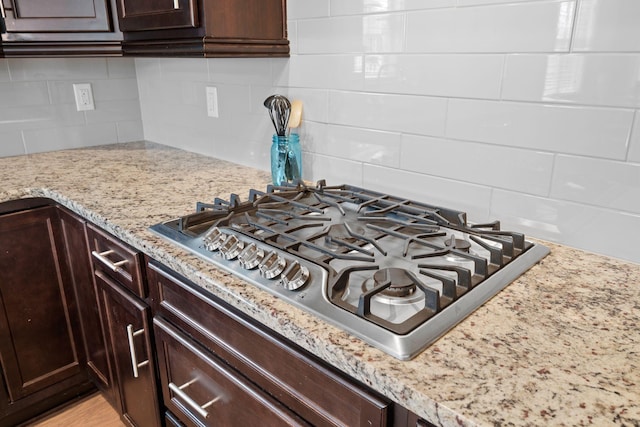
(559, 346)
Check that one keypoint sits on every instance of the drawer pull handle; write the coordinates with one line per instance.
(2, 12)
(102, 257)
(132, 350)
(200, 409)
(176, 4)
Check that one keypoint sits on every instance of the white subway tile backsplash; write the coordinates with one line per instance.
(634, 148)
(23, 69)
(121, 68)
(592, 228)
(315, 103)
(115, 89)
(238, 71)
(400, 113)
(607, 26)
(597, 182)
(333, 35)
(595, 79)
(18, 94)
(356, 7)
(464, 75)
(4, 71)
(129, 131)
(351, 34)
(470, 198)
(61, 92)
(180, 69)
(114, 111)
(518, 27)
(324, 71)
(301, 9)
(486, 2)
(38, 117)
(147, 67)
(11, 144)
(436, 100)
(292, 35)
(598, 132)
(313, 137)
(335, 170)
(39, 140)
(500, 167)
(364, 145)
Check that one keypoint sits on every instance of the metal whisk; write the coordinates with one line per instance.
(279, 110)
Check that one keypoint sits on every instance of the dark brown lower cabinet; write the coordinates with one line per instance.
(258, 359)
(126, 320)
(41, 348)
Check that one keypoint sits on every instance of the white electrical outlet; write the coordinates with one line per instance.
(84, 96)
(212, 101)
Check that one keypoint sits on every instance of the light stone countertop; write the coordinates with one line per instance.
(559, 346)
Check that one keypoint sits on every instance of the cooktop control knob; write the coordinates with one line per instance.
(250, 256)
(271, 265)
(295, 276)
(214, 239)
(231, 247)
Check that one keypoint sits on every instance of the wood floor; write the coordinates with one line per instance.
(91, 411)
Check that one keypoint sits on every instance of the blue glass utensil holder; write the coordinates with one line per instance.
(286, 159)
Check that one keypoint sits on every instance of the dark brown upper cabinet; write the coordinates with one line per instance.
(60, 28)
(204, 28)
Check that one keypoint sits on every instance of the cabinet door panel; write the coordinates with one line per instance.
(32, 16)
(127, 322)
(37, 342)
(140, 15)
(95, 349)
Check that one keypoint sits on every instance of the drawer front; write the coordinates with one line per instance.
(202, 390)
(142, 15)
(320, 394)
(117, 260)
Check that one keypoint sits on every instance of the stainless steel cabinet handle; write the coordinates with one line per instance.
(102, 257)
(132, 350)
(176, 4)
(200, 409)
(4, 15)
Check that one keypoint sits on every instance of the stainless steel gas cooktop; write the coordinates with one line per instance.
(396, 273)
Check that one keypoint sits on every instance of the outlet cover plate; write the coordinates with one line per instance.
(84, 96)
(212, 101)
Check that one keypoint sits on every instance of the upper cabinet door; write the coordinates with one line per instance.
(140, 15)
(34, 16)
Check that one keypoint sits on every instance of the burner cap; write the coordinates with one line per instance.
(402, 284)
(459, 244)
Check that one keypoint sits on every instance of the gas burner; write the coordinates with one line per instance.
(459, 244)
(401, 283)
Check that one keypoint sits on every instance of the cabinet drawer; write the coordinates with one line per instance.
(204, 391)
(117, 260)
(137, 15)
(317, 392)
